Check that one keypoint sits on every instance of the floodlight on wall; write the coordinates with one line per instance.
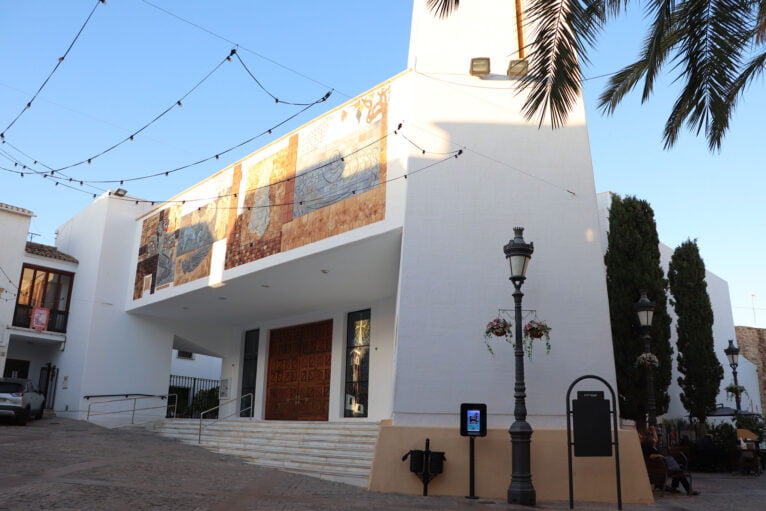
(120, 192)
(517, 68)
(479, 66)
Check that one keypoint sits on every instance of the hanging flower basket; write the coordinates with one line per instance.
(647, 360)
(498, 327)
(536, 330)
(734, 390)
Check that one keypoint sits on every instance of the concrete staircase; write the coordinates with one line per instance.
(337, 451)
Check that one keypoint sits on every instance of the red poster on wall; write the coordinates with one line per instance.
(39, 318)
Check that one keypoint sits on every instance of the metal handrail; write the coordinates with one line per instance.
(133, 411)
(126, 394)
(202, 415)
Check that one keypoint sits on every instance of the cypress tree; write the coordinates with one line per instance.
(701, 373)
(632, 264)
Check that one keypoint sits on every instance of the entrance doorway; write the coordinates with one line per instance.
(298, 386)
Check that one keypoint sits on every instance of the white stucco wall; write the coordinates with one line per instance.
(108, 351)
(454, 276)
(14, 225)
(436, 44)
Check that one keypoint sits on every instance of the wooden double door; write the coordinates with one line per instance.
(298, 382)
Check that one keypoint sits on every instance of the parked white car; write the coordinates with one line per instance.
(20, 400)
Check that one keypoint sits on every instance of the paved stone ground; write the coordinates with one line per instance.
(61, 464)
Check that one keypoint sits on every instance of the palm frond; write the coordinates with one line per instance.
(760, 36)
(713, 37)
(620, 84)
(660, 40)
(442, 8)
(752, 70)
(564, 32)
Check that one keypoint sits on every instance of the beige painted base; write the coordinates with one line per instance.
(594, 478)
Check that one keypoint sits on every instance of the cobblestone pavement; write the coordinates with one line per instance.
(67, 465)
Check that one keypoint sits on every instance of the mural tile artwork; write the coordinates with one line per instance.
(324, 180)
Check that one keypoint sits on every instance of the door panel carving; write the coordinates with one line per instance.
(299, 372)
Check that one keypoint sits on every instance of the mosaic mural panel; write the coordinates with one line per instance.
(322, 181)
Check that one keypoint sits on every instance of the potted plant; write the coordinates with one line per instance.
(734, 391)
(498, 327)
(536, 330)
(647, 360)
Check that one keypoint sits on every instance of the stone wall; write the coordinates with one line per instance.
(752, 345)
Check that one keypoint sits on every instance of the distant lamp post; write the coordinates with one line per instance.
(520, 491)
(732, 353)
(645, 311)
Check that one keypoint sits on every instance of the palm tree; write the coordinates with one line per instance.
(716, 47)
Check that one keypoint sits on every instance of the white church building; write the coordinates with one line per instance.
(346, 272)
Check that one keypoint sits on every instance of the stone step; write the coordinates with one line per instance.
(338, 451)
(336, 460)
(263, 426)
(257, 443)
(303, 437)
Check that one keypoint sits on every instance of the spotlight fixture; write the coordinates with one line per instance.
(517, 68)
(120, 192)
(479, 66)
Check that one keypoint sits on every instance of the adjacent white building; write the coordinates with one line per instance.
(723, 330)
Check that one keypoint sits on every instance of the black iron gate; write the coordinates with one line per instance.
(195, 395)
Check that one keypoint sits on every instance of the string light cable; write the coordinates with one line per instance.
(340, 195)
(50, 75)
(500, 162)
(281, 181)
(9, 279)
(55, 181)
(216, 156)
(272, 96)
(210, 200)
(176, 104)
(64, 180)
(29, 170)
(233, 43)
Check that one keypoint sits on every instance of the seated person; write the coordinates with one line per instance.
(649, 448)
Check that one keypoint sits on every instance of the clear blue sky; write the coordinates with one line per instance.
(133, 60)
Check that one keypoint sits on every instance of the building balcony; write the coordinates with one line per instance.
(57, 322)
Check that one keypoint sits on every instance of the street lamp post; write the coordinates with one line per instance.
(732, 353)
(521, 491)
(645, 311)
